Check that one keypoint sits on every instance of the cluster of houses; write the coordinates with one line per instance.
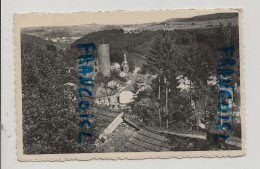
(59, 39)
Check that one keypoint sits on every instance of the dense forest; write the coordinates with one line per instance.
(141, 43)
(210, 40)
(187, 53)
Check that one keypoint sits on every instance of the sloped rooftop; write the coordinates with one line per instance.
(147, 141)
(102, 118)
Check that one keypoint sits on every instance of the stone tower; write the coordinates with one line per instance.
(104, 59)
(125, 65)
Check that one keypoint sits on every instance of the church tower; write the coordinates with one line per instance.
(125, 65)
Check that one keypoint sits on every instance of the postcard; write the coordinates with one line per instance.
(130, 84)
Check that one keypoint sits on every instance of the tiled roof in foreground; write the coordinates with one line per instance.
(147, 141)
(102, 119)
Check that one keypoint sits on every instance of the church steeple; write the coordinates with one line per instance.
(125, 65)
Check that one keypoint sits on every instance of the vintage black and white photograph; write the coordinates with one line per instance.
(172, 85)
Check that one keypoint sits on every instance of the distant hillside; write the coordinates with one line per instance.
(63, 31)
(196, 22)
(78, 31)
(109, 27)
(120, 41)
(209, 17)
(25, 38)
(141, 43)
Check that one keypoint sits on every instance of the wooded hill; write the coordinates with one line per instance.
(209, 17)
(141, 43)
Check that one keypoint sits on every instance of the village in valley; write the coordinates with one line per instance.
(155, 87)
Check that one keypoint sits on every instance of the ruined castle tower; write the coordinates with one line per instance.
(125, 65)
(104, 59)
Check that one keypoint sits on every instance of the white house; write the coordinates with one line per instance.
(126, 97)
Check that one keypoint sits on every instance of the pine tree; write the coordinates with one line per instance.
(161, 62)
(198, 65)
